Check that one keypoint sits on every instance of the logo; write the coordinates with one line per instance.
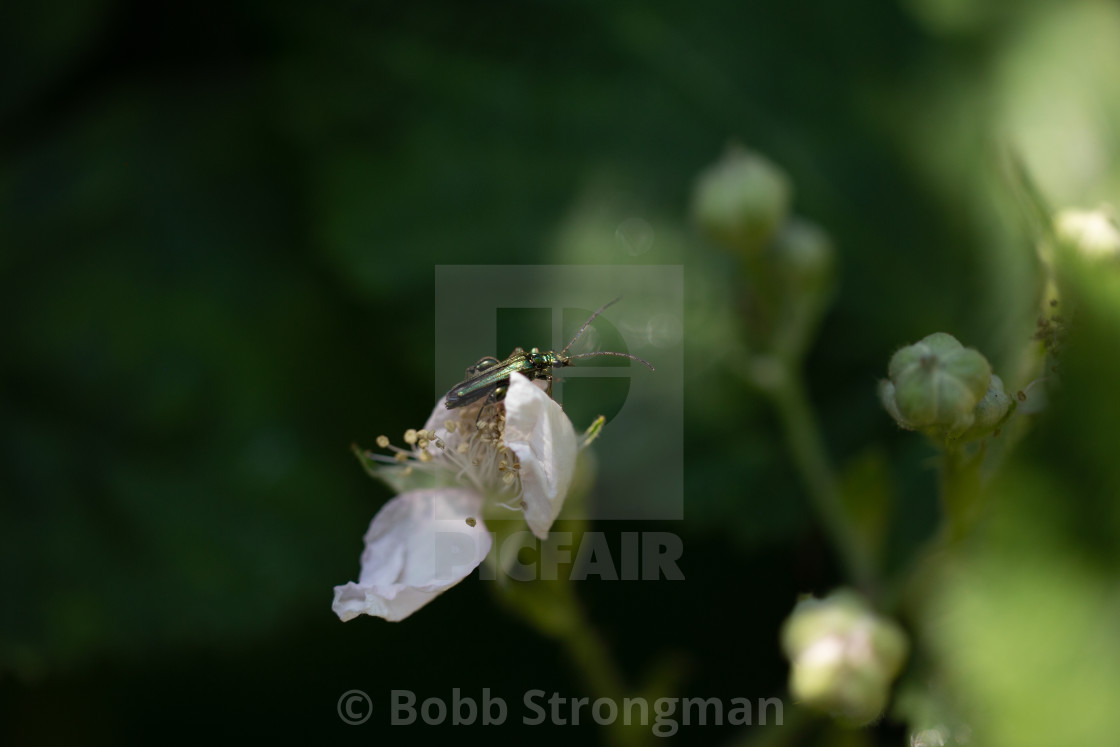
(489, 310)
(354, 707)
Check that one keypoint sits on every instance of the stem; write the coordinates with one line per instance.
(960, 488)
(591, 654)
(786, 391)
(960, 491)
(554, 610)
(593, 658)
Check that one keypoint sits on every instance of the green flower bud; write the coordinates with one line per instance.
(991, 412)
(801, 266)
(804, 258)
(741, 200)
(843, 657)
(935, 385)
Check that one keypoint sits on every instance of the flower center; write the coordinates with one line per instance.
(467, 447)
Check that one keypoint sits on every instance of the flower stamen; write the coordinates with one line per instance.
(478, 456)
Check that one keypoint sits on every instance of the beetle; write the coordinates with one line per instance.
(489, 377)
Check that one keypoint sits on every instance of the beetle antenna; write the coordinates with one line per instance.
(587, 324)
(645, 363)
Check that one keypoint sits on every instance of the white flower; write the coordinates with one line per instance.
(520, 455)
(541, 436)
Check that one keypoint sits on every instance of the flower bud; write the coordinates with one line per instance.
(800, 261)
(843, 657)
(991, 412)
(804, 258)
(741, 200)
(935, 385)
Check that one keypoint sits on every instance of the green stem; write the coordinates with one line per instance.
(960, 491)
(554, 610)
(592, 657)
(960, 488)
(786, 391)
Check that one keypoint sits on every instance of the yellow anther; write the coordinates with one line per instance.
(410, 436)
(382, 441)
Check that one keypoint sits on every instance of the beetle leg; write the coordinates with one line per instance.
(496, 395)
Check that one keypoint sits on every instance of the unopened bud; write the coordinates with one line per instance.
(991, 412)
(741, 200)
(935, 385)
(843, 656)
(804, 258)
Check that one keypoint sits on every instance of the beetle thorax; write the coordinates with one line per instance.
(542, 361)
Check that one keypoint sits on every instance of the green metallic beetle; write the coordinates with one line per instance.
(489, 378)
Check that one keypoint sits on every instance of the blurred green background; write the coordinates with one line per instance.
(218, 233)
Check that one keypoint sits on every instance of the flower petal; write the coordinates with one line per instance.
(539, 432)
(419, 544)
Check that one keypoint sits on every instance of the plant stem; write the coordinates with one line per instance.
(588, 650)
(960, 491)
(786, 391)
(554, 610)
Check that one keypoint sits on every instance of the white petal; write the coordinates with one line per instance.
(418, 545)
(539, 432)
